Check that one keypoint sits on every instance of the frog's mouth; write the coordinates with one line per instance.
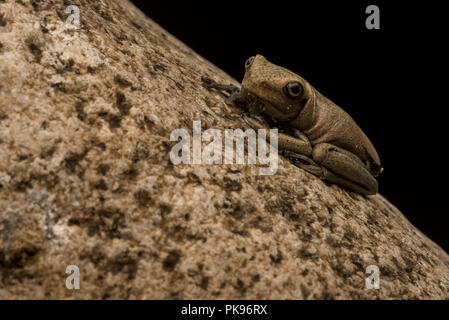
(281, 111)
(277, 112)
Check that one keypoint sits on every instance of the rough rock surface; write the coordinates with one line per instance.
(86, 180)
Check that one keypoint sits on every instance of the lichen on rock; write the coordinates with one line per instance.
(86, 180)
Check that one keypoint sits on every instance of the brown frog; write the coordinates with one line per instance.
(320, 136)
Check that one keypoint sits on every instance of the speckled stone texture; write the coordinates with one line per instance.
(86, 180)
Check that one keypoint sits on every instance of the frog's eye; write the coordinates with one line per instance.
(293, 89)
(249, 61)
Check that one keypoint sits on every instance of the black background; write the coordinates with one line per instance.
(391, 81)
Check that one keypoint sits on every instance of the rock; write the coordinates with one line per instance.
(86, 180)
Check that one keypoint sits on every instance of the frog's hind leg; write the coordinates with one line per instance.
(344, 168)
(305, 163)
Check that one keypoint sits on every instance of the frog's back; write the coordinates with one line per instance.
(325, 122)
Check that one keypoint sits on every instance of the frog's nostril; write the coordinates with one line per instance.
(249, 62)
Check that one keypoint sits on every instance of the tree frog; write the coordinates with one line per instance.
(316, 134)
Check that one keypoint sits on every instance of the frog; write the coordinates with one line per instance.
(315, 134)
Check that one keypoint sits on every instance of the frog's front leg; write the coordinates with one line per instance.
(211, 84)
(295, 147)
(344, 168)
(236, 96)
(298, 144)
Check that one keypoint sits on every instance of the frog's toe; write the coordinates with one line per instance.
(305, 163)
(254, 121)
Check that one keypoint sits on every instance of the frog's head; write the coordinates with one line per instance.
(282, 93)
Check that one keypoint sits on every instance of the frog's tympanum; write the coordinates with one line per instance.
(316, 134)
